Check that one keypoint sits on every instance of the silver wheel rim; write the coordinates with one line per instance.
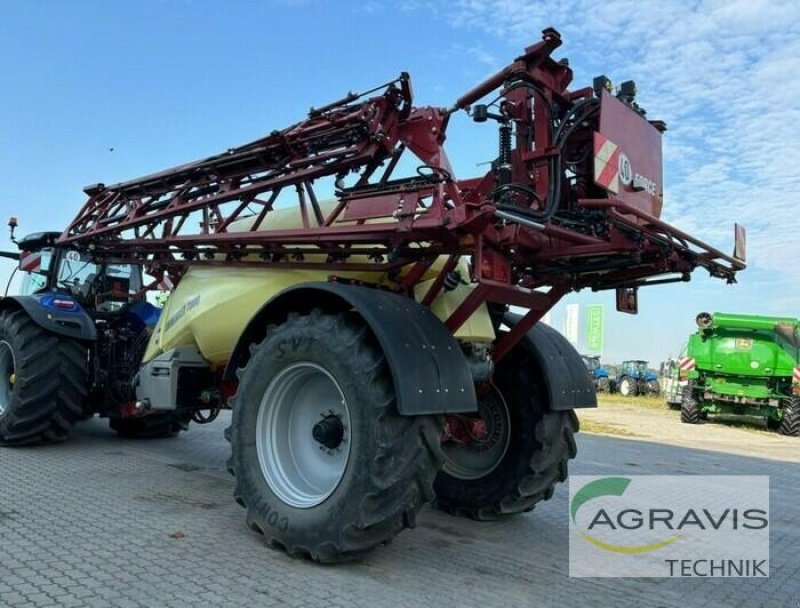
(302, 471)
(625, 388)
(469, 463)
(7, 369)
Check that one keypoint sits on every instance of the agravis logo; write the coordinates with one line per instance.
(669, 526)
(610, 486)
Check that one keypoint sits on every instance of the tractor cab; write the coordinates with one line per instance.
(592, 363)
(635, 368)
(35, 260)
(48, 268)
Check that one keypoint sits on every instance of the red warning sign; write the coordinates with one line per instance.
(606, 163)
(30, 262)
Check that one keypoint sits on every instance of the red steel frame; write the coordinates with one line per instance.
(591, 240)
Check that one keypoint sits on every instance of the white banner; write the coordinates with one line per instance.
(571, 323)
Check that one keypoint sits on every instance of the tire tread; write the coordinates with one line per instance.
(690, 409)
(790, 422)
(49, 400)
(402, 469)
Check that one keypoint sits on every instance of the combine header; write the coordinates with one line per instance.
(360, 316)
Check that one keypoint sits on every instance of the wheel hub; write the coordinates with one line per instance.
(474, 446)
(303, 435)
(329, 431)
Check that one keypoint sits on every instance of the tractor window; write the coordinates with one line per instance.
(77, 273)
(32, 282)
(34, 266)
(89, 281)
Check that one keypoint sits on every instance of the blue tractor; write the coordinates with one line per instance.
(635, 378)
(598, 374)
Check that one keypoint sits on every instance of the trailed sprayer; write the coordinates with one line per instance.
(353, 316)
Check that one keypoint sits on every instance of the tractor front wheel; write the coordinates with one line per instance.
(43, 382)
(690, 408)
(603, 385)
(324, 464)
(512, 455)
(790, 422)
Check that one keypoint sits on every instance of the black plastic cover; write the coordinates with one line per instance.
(429, 370)
(563, 370)
(78, 325)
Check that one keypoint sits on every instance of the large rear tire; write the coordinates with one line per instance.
(43, 382)
(790, 423)
(690, 409)
(628, 387)
(324, 464)
(523, 455)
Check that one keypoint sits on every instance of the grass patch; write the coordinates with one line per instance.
(652, 403)
(601, 428)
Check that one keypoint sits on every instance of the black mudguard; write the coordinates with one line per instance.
(563, 370)
(78, 324)
(429, 370)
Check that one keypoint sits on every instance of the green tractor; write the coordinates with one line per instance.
(744, 365)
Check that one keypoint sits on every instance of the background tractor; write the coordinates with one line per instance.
(355, 320)
(744, 365)
(636, 378)
(598, 374)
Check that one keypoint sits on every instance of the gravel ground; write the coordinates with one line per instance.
(101, 521)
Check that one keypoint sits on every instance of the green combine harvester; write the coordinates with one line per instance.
(743, 365)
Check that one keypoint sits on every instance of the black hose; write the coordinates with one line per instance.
(521, 188)
(11, 278)
(568, 125)
(559, 139)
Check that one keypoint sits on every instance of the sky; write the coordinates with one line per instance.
(95, 91)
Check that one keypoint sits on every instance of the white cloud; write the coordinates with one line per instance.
(722, 74)
(477, 53)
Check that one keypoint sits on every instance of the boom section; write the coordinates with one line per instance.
(573, 197)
